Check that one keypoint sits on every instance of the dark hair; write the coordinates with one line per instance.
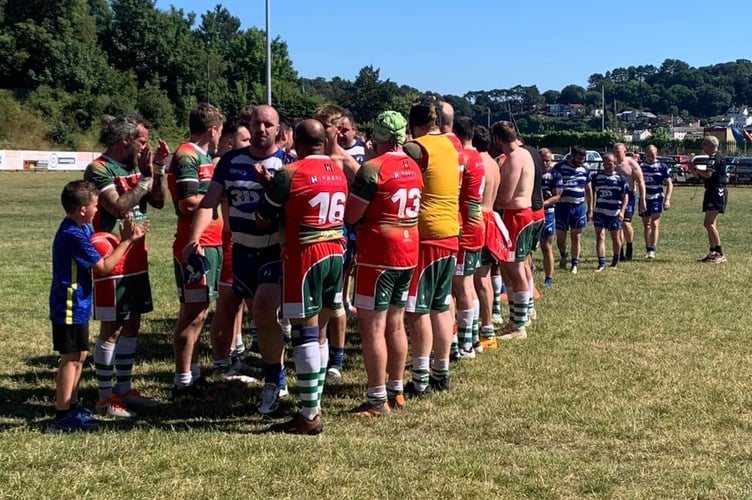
(229, 128)
(426, 110)
(464, 127)
(578, 150)
(481, 139)
(77, 194)
(203, 117)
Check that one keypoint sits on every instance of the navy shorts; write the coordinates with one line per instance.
(610, 222)
(570, 216)
(252, 267)
(653, 207)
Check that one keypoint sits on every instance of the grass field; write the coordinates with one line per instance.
(634, 383)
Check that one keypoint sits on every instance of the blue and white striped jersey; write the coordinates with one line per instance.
(609, 191)
(655, 176)
(574, 180)
(235, 171)
(551, 182)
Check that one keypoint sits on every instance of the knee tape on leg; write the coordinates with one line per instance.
(304, 335)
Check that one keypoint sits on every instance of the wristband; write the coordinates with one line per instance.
(158, 169)
(144, 182)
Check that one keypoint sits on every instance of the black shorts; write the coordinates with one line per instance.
(715, 199)
(70, 339)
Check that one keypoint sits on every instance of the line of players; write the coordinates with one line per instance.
(609, 199)
(281, 231)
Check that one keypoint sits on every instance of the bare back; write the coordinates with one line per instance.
(517, 178)
(492, 181)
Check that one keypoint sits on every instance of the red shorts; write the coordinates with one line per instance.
(522, 226)
(497, 236)
(312, 279)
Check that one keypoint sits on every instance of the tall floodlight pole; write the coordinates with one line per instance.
(268, 58)
(603, 108)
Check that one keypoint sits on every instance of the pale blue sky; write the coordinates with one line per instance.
(488, 44)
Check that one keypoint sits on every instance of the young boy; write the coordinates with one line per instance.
(73, 258)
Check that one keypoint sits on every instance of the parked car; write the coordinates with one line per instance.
(740, 171)
(556, 157)
(680, 175)
(593, 160)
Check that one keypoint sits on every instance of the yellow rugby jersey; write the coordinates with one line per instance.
(439, 204)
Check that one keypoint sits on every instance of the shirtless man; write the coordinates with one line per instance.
(482, 279)
(631, 171)
(514, 196)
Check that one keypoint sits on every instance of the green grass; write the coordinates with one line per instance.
(634, 383)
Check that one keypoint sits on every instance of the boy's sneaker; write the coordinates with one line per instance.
(573, 269)
(134, 399)
(600, 268)
(114, 408)
(397, 401)
(300, 425)
(650, 255)
(333, 375)
(368, 410)
(411, 391)
(440, 384)
(73, 422)
(268, 402)
(513, 332)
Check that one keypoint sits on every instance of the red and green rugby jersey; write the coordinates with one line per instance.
(472, 236)
(388, 236)
(189, 174)
(312, 193)
(106, 174)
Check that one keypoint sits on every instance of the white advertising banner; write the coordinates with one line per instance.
(45, 160)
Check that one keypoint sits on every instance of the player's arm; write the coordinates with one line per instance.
(364, 188)
(203, 216)
(624, 202)
(350, 165)
(640, 181)
(669, 190)
(589, 198)
(274, 198)
(129, 233)
(155, 172)
(510, 176)
(186, 171)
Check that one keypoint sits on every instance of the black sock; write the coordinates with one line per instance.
(718, 249)
(60, 414)
(628, 253)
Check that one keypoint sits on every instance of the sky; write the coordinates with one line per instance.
(486, 44)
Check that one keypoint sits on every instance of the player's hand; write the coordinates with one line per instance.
(590, 215)
(620, 216)
(145, 164)
(127, 228)
(643, 205)
(191, 248)
(262, 174)
(666, 204)
(163, 151)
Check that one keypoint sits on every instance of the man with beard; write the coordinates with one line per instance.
(129, 177)
(256, 262)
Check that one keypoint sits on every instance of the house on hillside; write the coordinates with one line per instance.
(635, 115)
(641, 135)
(563, 110)
(738, 117)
